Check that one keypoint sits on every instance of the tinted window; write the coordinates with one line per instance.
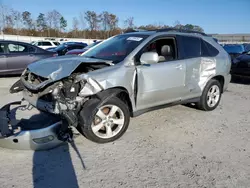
(208, 50)
(191, 46)
(56, 43)
(234, 48)
(1, 48)
(16, 48)
(32, 49)
(46, 44)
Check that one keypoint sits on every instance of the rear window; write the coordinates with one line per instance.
(191, 46)
(208, 50)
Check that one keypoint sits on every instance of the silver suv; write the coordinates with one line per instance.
(125, 76)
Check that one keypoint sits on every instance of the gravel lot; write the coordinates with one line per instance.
(172, 147)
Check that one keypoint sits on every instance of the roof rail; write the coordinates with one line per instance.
(179, 30)
(134, 30)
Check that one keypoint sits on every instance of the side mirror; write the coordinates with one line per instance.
(149, 58)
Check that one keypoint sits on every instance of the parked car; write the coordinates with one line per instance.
(241, 65)
(234, 50)
(125, 76)
(46, 44)
(80, 51)
(16, 56)
(63, 48)
(247, 47)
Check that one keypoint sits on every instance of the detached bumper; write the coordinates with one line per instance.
(37, 132)
(40, 139)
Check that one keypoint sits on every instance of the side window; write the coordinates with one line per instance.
(1, 48)
(207, 50)
(39, 43)
(46, 44)
(17, 48)
(56, 43)
(191, 46)
(32, 49)
(164, 47)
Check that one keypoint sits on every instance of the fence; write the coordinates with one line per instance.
(29, 39)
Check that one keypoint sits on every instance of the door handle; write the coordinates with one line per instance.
(2, 56)
(179, 67)
(31, 55)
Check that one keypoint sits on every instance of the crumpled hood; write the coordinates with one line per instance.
(56, 68)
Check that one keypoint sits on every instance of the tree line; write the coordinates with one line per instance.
(89, 24)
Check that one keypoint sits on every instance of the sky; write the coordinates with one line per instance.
(214, 16)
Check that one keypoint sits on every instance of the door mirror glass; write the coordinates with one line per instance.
(149, 58)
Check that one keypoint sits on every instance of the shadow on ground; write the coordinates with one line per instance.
(54, 167)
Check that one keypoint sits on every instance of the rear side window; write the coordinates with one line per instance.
(207, 50)
(32, 49)
(1, 48)
(191, 46)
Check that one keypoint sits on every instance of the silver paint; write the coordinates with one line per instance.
(25, 139)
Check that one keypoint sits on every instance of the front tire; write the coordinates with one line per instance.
(211, 96)
(106, 124)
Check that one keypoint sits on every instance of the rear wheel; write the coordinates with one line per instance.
(105, 123)
(211, 96)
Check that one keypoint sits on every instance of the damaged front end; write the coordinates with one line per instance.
(64, 97)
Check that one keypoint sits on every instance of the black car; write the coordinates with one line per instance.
(15, 56)
(63, 48)
(234, 50)
(241, 65)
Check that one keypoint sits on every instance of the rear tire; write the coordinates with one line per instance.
(106, 124)
(211, 96)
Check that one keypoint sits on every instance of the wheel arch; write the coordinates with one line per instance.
(119, 92)
(221, 79)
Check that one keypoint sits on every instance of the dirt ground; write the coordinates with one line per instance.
(171, 147)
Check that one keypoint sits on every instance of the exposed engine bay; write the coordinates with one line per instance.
(64, 97)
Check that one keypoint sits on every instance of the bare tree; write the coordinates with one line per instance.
(9, 22)
(3, 14)
(75, 24)
(27, 20)
(82, 23)
(17, 17)
(93, 20)
(129, 23)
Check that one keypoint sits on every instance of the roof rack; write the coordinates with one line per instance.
(134, 30)
(179, 30)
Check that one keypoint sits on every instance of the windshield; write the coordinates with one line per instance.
(234, 48)
(116, 48)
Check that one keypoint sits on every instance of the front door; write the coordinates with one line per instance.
(160, 83)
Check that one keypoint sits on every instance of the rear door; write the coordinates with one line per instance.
(18, 57)
(3, 65)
